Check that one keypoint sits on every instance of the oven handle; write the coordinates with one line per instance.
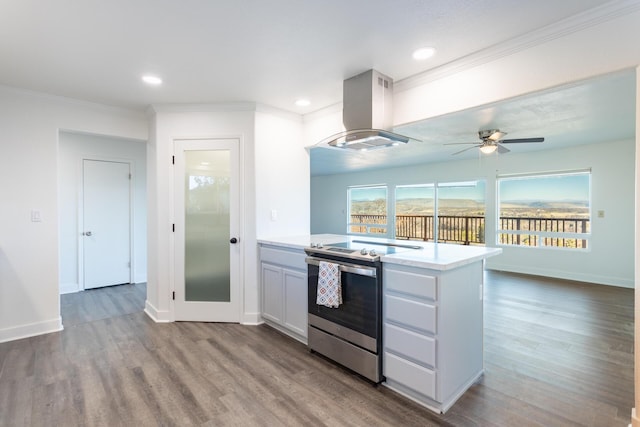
(361, 270)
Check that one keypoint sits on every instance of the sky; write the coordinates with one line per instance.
(574, 187)
(474, 190)
(560, 187)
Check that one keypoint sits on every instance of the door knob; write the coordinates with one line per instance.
(233, 240)
(87, 233)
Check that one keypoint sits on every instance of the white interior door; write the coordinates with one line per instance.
(207, 246)
(106, 235)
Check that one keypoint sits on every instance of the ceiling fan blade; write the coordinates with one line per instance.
(502, 149)
(462, 151)
(511, 141)
(496, 135)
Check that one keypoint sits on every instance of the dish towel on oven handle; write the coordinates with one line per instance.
(329, 287)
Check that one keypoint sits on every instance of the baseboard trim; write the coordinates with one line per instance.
(251, 319)
(31, 330)
(156, 315)
(579, 277)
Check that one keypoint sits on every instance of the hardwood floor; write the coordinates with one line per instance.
(557, 353)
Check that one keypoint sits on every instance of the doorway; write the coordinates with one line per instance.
(73, 149)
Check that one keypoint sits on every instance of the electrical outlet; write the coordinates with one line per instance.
(274, 215)
(600, 214)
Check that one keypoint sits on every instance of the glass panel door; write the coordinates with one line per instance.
(207, 225)
(207, 245)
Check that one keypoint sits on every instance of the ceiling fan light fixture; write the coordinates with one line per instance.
(488, 149)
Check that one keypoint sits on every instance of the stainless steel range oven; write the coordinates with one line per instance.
(350, 334)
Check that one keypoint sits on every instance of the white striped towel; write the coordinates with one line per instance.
(329, 286)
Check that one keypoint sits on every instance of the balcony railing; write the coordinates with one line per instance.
(470, 230)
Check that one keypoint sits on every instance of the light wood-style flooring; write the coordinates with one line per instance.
(557, 353)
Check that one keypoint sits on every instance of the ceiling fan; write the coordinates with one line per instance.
(492, 141)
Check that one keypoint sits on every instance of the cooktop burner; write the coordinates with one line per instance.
(361, 249)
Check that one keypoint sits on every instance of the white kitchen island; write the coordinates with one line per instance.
(432, 311)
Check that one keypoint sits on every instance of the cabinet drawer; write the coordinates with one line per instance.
(419, 285)
(414, 346)
(415, 314)
(416, 377)
(292, 258)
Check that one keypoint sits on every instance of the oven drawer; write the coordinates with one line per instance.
(411, 375)
(292, 259)
(419, 285)
(414, 314)
(420, 348)
(353, 357)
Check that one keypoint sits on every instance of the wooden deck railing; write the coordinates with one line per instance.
(470, 229)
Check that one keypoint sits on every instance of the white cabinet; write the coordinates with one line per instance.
(432, 332)
(284, 290)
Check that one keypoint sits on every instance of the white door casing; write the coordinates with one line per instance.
(106, 223)
(206, 278)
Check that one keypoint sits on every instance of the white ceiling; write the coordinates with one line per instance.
(274, 52)
(270, 52)
(585, 112)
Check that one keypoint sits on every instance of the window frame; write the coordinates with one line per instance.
(368, 226)
(540, 236)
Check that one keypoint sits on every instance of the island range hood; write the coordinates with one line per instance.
(367, 114)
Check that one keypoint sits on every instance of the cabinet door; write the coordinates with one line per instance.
(272, 292)
(295, 300)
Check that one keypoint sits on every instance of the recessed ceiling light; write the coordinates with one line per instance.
(423, 53)
(152, 80)
(303, 102)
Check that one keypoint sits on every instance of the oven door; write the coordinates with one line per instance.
(361, 307)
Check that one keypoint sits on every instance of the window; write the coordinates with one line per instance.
(415, 211)
(367, 210)
(461, 212)
(545, 210)
(459, 207)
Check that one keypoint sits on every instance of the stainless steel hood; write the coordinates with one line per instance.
(367, 114)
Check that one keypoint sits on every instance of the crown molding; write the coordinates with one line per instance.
(58, 99)
(587, 19)
(202, 108)
(322, 112)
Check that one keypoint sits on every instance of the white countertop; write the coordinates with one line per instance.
(441, 256)
(301, 242)
(436, 256)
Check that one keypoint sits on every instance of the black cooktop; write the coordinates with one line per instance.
(380, 248)
(360, 249)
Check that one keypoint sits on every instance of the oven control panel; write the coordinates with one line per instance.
(358, 253)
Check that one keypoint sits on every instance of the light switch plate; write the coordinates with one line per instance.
(36, 216)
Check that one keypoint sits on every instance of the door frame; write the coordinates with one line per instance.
(241, 221)
(132, 171)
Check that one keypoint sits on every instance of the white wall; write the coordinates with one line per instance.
(73, 148)
(29, 128)
(282, 176)
(610, 259)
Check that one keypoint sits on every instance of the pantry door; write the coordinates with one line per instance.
(207, 242)
(106, 223)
